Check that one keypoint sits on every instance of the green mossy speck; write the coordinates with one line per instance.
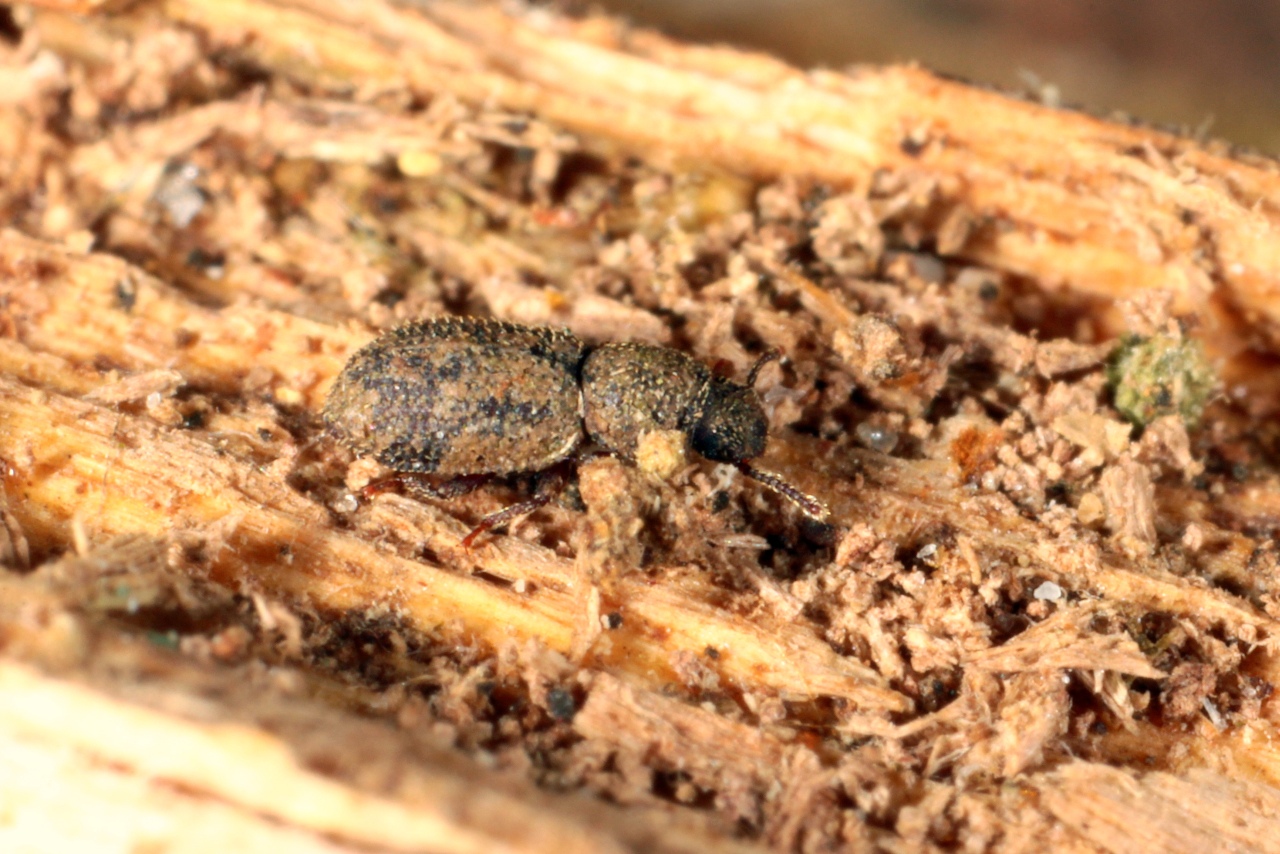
(164, 640)
(1160, 375)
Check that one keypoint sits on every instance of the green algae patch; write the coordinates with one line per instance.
(1160, 375)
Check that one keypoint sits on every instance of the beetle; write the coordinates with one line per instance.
(466, 399)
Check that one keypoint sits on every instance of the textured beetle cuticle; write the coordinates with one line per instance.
(461, 397)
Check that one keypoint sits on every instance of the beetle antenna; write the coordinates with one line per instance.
(765, 358)
(812, 507)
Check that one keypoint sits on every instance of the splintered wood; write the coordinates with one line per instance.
(1030, 624)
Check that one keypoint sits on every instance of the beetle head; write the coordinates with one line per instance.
(733, 426)
(733, 429)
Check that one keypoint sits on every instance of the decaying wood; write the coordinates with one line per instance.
(219, 768)
(1100, 209)
(1029, 625)
(173, 481)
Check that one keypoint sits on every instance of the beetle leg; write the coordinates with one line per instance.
(550, 483)
(502, 517)
(419, 485)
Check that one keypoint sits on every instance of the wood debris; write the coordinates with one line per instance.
(1030, 623)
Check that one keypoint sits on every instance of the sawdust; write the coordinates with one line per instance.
(1027, 618)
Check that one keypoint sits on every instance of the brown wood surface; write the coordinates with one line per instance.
(1029, 625)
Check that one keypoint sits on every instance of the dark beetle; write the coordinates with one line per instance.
(465, 398)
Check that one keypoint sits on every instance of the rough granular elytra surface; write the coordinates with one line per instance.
(461, 397)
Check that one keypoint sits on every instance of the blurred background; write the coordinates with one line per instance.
(1207, 66)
